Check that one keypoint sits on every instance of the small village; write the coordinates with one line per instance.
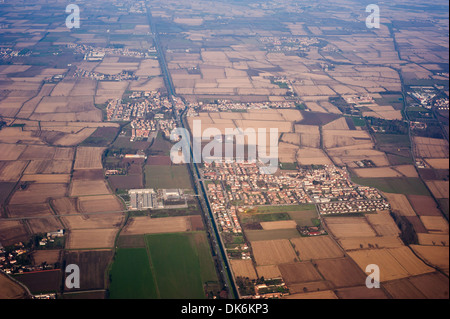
(234, 186)
(17, 259)
(226, 105)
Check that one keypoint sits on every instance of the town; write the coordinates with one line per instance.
(232, 187)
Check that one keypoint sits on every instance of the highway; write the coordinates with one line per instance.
(194, 171)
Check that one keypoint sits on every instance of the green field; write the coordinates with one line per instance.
(407, 186)
(258, 218)
(172, 266)
(131, 276)
(285, 209)
(163, 177)
(182, 264)
(288, 166)
(393, 139)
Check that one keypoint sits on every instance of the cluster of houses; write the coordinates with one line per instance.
(142, 105)
(97, 53)
(226, 105)
(17, 261)
(122, 76)
(329, 186)
(225, 213)
(286, 44)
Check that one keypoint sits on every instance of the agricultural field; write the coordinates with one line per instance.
(341, 272)
(172, 266)
(10, 289)
(92, 263)
(346, 227)
(273, 252)
(166, 177)
(400, 185)
(316, 248)
(394, 263)
(41, 282)
(358, 243)
(244, 268)
(147, 225)
(274, 234)
(437, 256)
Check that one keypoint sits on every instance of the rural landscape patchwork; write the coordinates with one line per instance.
(138, 140)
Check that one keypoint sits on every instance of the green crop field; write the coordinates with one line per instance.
(407, 186)
(163, 177)
(131, 276)
(285, 209)
(171, 266)
(182, 263)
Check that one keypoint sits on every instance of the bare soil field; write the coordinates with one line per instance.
(89, 187)
(11, 152)
(10, 290)
(93, 264)
(282, 224)
(424, 205)
(438, 163)
(47, 256)
(273, 252)
(437, 256)
(12, 232)
(312, 156)
(433, 239)
(311, 286)
(341, 272)
(394, 263)
(402, 289)
(38, 193)
(361, 292)
(46, 178)
(299, 272)
(435, 224)
(400, 204)
(65, 205)
(93, 222)
(11, 171)
(268, 272)
(44, 225)
(440, 189)
(406, 170)
(146, 225)
(89, 158)
(345, 227)
(433, 286)
(377, 172)
(316, 248)
(49, 167)
(328, 294)
(417, 224)
(96, 204)
(383, 223)
(357, 243)
(430, 147)
(86, 238)
(243, 268)
(37, 152)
